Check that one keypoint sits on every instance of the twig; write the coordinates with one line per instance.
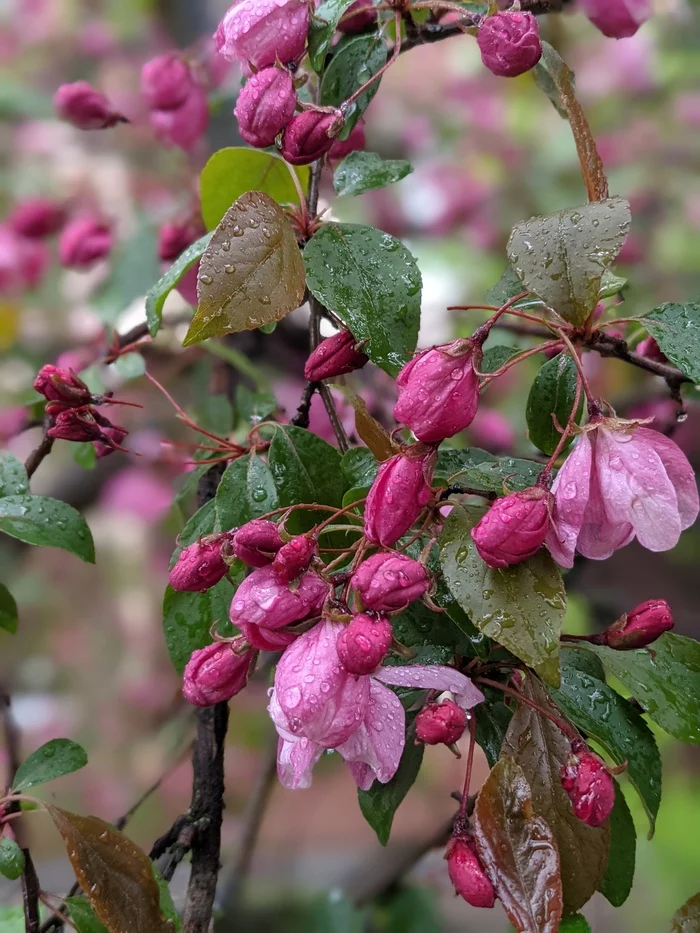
(302, 416)
(36, 457)
(30, 895)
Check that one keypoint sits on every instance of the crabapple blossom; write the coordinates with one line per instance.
(388, 582)
(514, 528)
(399, 494)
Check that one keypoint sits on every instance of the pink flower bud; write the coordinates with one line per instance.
(62, 385)
(200, 565)
(83, 242)
(589, 785)
(441, 723)
(176, 236)
(398, 495)
(492, 430)
(76, 424)
(617, 19)
(36, 218)
(258, 32)
(358, 16)
(257, 543)
(265, 600)
(467, 874)
(640, 627)
(112, 438)
(650, 349)
(388, 582)
(509, 43)
(355, 141)
(439, 391)
(166, 81)
(85, 107)
(514, 528)
(334, 356)
(294, 557)
(185, 125)
(364, 643)
(265, 106)
(310, 135)
(265, 639)
(216, 673)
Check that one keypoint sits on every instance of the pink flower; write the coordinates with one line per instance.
(257, 542)
(388, 582)
(265, 600)
(85, 107)
(112, 437)
(439, 391)
(36, 218)
(441, 723)
(639, 627)
(310, 135)
(492, 430)
(185, 125)
(509, 43)
(176, 236)
(356, 140)
(62, 385)
(76, 424)
(398, 495)
(265, 639)
(166, 81)
(617, 19)
(200, 565)
(621, 481)
(358, 16)
(316, 704)
(216, 673)
(588, 784)
(364, 643)
(294, 557)
(514, 528)
(334, 356)
(258, 32)
(83, 242)
(467, 873)
(265, 106)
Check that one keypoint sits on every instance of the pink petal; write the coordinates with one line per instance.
(679, 472)
(374, 750)
(295, 762)
(430, 677)
(571, 490)
(600, 536)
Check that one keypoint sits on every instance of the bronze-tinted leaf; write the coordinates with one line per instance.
(518, 851)
(687, 918)
(541, 749)
(251, 273)
(375, 436)
(114, 873)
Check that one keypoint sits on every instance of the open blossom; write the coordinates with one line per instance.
(399, 494)
(639, 627)
(589, 785)
(265, 600)
(439, 391)
(265, 106)
(258, 32)
(620, 481)
(467, 873)
(200, 565)
(617, 19)
(388, 582)
(514, 528)
(509, 43)
(85, 107)
(316, 704)
(216, 673)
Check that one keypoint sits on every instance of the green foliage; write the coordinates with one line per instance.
(324, 22)
(497, 356)
(13, 476)
(188, 618)
(484, 472)
(619, 874)
(380, 803)
(676, 329)
(365, 171)
(52, 760)
(247, 490)
(11, 859)
(47, 522)
(8, 610)
(552, 395)
(355, 60)
(155, 299)
(333, 913)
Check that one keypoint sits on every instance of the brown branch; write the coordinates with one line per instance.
(36, 457)
(302, 416)
(608, 345)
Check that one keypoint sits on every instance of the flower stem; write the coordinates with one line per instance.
(521, 698)
(470, 762)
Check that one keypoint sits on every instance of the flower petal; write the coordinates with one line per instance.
(571, 490)
(295, 762)
(433, 677)
(600, 535)
(679, 472)
(374, 750)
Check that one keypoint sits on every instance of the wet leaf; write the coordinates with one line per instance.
(561, 258)
(155, 299)
(188, 618)
(619, 874)
(495, 357)
(254, 407)
(11, 859)
(114, 872)
(492, 721)
(372, 282)
(575, 923)
(251, 273)
(687, 918)
(83, 916)
(676, 329)
(8, 610)
(52, 760)
(13, 476)
(522, 607)
(413, 910)
(480, 470)
(665, 680)
(246, 491)
(355, 60)
(369, 430)
(507, 287)
(541, 750)
(380, 803)
(324, 22)
(359, 466)
(365, 171)
(233, 171)
(47, 522)
(608, 718)
(552, 394)
(518, 851)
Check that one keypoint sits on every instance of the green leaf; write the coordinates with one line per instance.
(481, 470)
(8, 610)
(380, 803)
(254, 407)
(188, 618)
(619, 875)
(412, 910)
(247, 490)
(492, 723)
(355, 60)
(507, 287)
(134, 267)
(359, 466)
(611, 284)
(575, 923)
(251, 273)
(203, 522)
(495, 357)
(231, 172)
(12, 920)
(85, 455)
(365, 171)
(130, 366)
(215, 413)
(664, 679)
(52, 760)
(521, 607)
(562, 258)
(167, 904)
(687, 918)
(605, 716)
(582, 661)
(373, 284)
(305, 469)
(155, 299)
(552, 395)
(324, 22)
(47, 522)
(333, 913)
(13, 477)
(676, 329)
(417, 626)
(11, 859)
(83, 916)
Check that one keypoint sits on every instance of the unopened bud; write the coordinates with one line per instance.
(216, 673)
(618, 19)
(185, 125)
(83, 242)
(111, 440)
(467, 873)
(388, 582)
(589, 785)
(514, 528)
(294, 557)
(200, 565)
(509, 43)
(265, 600)
(36, 218)
(399, 494)
(62, 385)
(441, 723)
(364, 643)
(76, 424)
(334, 356)
(85, 107)
(359, 16)
(310, 135)
(176, 236)
(166, 81)
(639, 627)
(265, 106)
(257, 542)
(650, 350)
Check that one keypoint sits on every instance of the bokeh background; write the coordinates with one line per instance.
(89, 660)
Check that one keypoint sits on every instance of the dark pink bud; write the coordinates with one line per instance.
(398, 495)
(112, 438)
(265, 106)
(175, 237)
(259, 32)
(265, 600)
(265, 639)
(364, 643)
(85, 107)
(589, 785)
(76, 424)
(200, 565)
(650, 349)
(388, 582)
(356, 140)
(185, 125)
(617, 19)
(310, 135)
(217, 673)
(257, 543)
(62, 385)
(166, 81)
(439, 391)
(334, 356)
(509, 43)
(441, 723)
(514, 528)
(83, 242)
(467, 874)
(294, 557)
(640, 627)
(36, 218)
(358, 16)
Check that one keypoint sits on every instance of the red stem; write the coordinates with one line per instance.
(565, 727)
(470, 762)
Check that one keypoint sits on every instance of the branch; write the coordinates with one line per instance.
(608, 345)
